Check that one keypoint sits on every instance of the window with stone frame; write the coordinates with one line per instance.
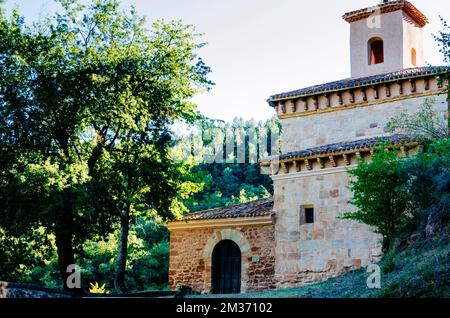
(306, 214)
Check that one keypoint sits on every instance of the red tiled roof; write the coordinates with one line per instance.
(396, 139)
(349, 83)
(251, 209)
(387, 7)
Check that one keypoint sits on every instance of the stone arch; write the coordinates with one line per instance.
(235, 236)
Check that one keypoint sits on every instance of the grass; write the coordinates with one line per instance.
(421, 269)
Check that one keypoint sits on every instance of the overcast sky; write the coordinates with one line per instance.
(257, 48)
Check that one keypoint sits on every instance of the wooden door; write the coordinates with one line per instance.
(226, 268)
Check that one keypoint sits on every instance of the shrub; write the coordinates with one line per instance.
(379, 195)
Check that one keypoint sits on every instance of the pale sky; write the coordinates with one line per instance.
(257, 48)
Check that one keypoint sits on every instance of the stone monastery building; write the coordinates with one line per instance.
(295, 237)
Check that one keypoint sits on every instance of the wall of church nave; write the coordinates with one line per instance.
(191, 256)
(311, 252)
(353, 123)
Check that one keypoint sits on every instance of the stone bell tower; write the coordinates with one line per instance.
(386, 38)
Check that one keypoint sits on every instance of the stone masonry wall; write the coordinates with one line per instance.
(350, 124)
(191, 253)
(306, 253)
(18, 290)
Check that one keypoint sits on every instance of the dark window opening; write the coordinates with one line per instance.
(376, 51)
(309, 215)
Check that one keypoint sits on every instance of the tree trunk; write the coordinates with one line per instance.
(63, 240)
(119, 282)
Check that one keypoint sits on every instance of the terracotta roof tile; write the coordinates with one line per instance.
(387, 7)
(348, 145)
(360, 82)
(251, 209)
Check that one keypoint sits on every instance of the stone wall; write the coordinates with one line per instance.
(307, 253)
(191, 254)
(353, 123)
(17, 290)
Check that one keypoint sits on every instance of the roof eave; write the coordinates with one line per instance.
(391, 6)
(220, 223)
(274, 99)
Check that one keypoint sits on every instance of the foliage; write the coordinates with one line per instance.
(226, 184)
(429, 185)
(409, 193)
(234, 176)
(33, 260)
(97, 289)
(20, 255)
(379, 195)
(424, 126)
(148, 258)
(87, 100)
(443, 40)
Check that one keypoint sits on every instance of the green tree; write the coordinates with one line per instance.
(428, 175)
(424, 126)
(83, 96)
(443, 41)
(380, 197)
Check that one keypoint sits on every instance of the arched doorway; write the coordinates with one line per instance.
(226, 268)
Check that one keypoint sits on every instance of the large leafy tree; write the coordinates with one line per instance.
(87, 99)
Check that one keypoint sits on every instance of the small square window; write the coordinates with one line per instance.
(309, 215)
(306, 214)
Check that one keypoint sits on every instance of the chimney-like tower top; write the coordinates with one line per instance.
(386, 7)
(386, 38)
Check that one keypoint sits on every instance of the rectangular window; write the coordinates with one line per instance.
(306, 214)
(309, 215)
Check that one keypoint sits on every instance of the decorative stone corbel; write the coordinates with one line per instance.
(284, 167)
(327, 98)
(388, 90)
(352, 96)
(315, 102)
(293, 106)
(400, 90)
(341, 100)
(308, 166)
(305, 104)
(346, 159)
(297, 166)
(413, 86)
(321, 163)
(375, 92)
(332, 161)
(364, 92)
(283, 107)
